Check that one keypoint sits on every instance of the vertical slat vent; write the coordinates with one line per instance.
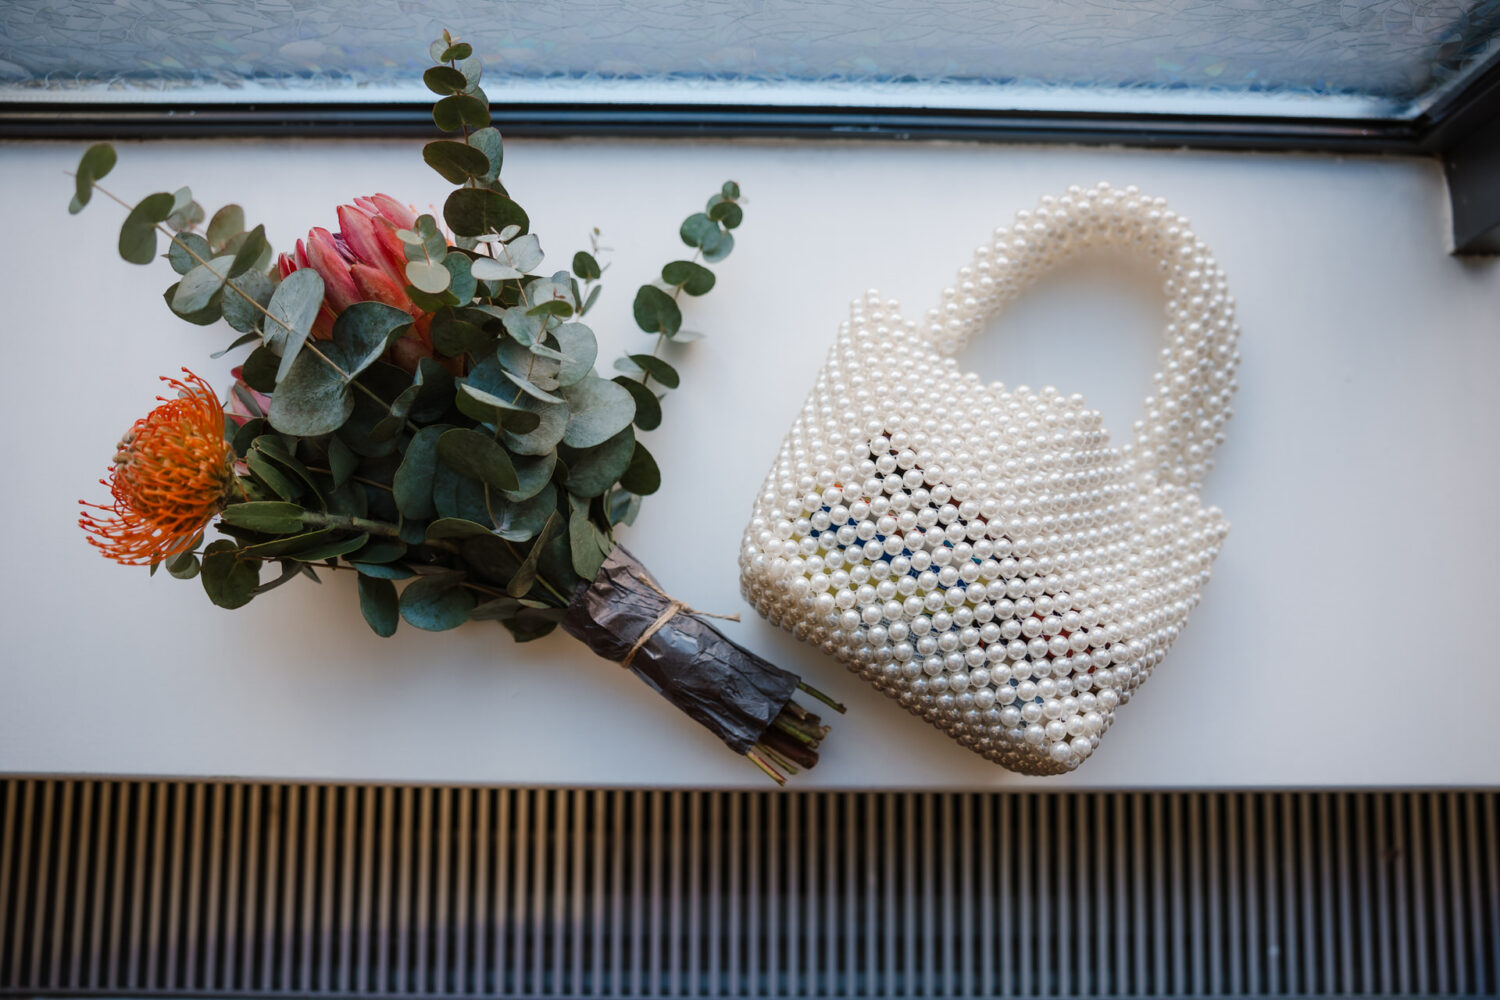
(194, 888)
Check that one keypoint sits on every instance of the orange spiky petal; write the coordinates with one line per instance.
(173, 472)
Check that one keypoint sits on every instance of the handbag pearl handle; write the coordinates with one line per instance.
(1183, 419)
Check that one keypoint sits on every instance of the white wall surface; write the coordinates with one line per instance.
(1347, 638)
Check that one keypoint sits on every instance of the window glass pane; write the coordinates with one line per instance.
(1346, 58)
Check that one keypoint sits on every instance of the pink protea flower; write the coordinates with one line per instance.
(364, 262)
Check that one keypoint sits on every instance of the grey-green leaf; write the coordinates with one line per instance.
(477, 456)
(642, 477)
(436, 603)
(695, 279)
(97, 160)
(228, 580)
(411, 486)
(312, 398)
(138, 231)
(293, 308)
(271, 516)
(249, 251)
(592, 471)
(655, 312)
(243, 299)
(598, 411)
(227, 222)
(477, 211)
(577, 342)
(201, 284)
(187, 251)
(379, 604)
(657, 369)
(647, 406)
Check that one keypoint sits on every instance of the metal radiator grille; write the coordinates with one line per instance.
(261, 889)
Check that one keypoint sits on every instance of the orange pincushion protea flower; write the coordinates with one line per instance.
(173, 472)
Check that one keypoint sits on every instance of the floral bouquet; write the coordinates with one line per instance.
(422, 411)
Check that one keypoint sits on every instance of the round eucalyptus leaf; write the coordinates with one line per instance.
(700, 231)
(229, 580)
(249, 251)
(243, 299)
(436, 603)
(477, 456)
(455, 161)
(695, 279)
(532, 390)
(200, 284)
(488, 141)
(462, 50)
(138, 231)
(552, 424)
(411, 487)
(586, 267)
(533, 472)
(476, 211)
(642, 477)
(430, 278)
(187, 251)
(227, 222)
(293, 307)
(720, 250)
(647, 406)
(592, 471)
(577, 342)
(445, 80)
(657, 369)
(312, 398)
(522, 519)
(488, 408)
(379, 604)
(453, 113)
(655, 312)
(726, 213)
(97, 160)
(598, 411)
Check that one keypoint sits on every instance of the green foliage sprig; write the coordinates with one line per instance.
(485, 477)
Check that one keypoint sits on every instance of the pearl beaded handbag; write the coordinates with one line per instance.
(982, 553)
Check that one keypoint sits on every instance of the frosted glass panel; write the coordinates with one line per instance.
(1337, 57)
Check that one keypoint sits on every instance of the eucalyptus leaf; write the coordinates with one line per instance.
(429, 277)
(227, 222)
(138, 231)
(476, 211)
(657, 369)
(462, 284)
(412, 484)
(270, 516)
(592, 471)
(576, 341)
(97, 161)
(382, 571)
(293, 307)
(228, 579)
(655, 312)
(533, 472)
(436, 603)
(244, 299)
(586, 267)
(278, 481)
(477, 456)
(719, 251)
(647, 406)
(488, 408)
(529, 363)
(598, 410)
(454, 113)
(187, 251)
(525, 577)
(313, 398)
(249, 251)
(456, 161)
(532, 390)
(331, 549)
(342, 463)
(200, 284)
(701, 231)
(184, 567)
(445, 80)
(588, 545)
(488, 142)
(454, 527)
(379, 604)
(726, 213)
(695, 279)
(552, 424)
(365, 331)
(642, 477)
(239, 341)
(521, 520)
(462, 50)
